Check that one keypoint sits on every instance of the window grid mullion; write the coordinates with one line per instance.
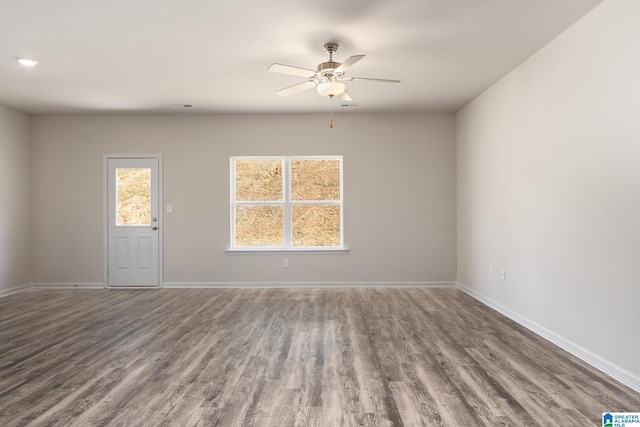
(260, 202)
(316, 202)
(286, 192)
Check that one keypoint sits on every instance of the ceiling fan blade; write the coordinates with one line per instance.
(345, 96)
(351, 79)
(348, 63)
(288, 69)
(296, 88)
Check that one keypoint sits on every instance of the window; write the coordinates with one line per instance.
(286, 203)
(133, 196)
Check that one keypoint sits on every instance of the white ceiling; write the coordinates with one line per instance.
(144, 55)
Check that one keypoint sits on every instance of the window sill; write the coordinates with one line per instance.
(287, 251)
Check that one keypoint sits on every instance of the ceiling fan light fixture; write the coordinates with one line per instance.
(330, 88)
(327, 78)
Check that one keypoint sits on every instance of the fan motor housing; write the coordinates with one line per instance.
(328, 66)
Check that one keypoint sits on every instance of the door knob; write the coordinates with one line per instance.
(154, 227)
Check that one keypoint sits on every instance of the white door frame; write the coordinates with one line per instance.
(105, 214)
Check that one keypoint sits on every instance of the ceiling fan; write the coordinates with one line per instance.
(327, 78)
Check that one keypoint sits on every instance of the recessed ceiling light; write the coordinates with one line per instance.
(26, 62)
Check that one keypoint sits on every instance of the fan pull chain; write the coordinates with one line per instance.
(331, 112)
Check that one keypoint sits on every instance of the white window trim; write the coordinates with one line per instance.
(319, 251)
(286, 203)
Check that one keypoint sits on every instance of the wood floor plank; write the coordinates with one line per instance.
(285, 357)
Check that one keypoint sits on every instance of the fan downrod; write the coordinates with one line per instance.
(326, 68)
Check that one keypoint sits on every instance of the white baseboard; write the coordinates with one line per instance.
(14, 290)
(240, 285)
(75, 285)
(204, 285)
(611, 369)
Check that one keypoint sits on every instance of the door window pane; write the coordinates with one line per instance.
(133, 196)
(315, 225)
(259, 225)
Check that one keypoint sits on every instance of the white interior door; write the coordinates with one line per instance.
(133, 222)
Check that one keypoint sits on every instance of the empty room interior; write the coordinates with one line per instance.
(363, 213)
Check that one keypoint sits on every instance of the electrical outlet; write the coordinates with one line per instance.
(503, 274)
(285, 262)
(491, 272)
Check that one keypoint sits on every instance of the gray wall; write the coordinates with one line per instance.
(399, 192)
(548, 185)
(15, 172)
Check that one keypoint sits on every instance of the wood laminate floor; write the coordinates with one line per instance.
(286, 357)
